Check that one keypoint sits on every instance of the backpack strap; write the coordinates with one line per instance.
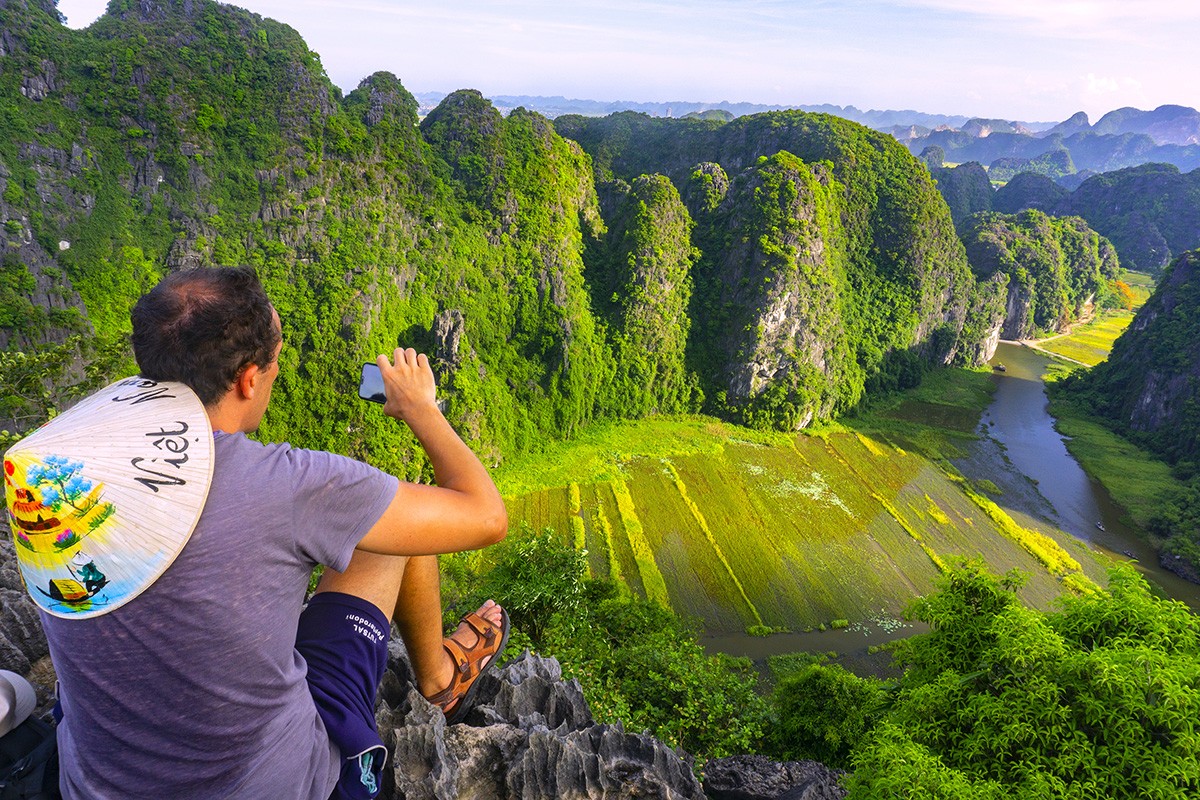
(33, 775)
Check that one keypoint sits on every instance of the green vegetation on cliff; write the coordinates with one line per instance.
(193, 133)
(966, 188)
(641, 280)
(807, 213)
(1057, 267)
(1151, 212)
(1053, 164)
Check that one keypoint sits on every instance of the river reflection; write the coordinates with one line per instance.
(1019, 420)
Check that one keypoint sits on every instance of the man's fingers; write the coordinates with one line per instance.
(405, 357)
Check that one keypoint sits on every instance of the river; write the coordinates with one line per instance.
(1018, 420)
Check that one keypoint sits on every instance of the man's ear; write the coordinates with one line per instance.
(246, 382)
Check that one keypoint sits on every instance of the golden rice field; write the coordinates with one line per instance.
(738, 529)
(1091, 343)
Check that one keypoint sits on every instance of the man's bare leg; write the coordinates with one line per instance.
(407, 589)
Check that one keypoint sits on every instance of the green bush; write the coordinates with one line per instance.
(824, 712)
(1097, 699)
(637, 662)
(537, 578)
(638, 658)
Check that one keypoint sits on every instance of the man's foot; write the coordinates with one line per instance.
(471, 650)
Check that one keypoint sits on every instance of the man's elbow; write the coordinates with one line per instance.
(496, 524)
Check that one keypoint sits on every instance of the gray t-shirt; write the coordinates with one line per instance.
(194, 689)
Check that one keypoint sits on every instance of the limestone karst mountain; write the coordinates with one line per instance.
(186, 132)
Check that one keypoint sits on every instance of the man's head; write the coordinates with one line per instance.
(205, 327)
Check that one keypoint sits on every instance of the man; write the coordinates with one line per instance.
(211, 683)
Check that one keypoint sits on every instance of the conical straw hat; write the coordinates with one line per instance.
(102, 498)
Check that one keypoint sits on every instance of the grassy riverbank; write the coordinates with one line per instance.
(1137, 480)
(744, 530)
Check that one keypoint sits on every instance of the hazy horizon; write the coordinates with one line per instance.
(1028, 60)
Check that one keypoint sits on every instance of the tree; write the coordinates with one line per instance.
(824, 713)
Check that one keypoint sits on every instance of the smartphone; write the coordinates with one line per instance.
(371, 385)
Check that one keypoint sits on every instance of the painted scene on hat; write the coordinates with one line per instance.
(102, 498)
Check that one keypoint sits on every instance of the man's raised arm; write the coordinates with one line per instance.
(464, 510)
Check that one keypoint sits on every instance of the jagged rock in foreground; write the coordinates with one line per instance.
(22, 640)
(759, 778)
(531, 735)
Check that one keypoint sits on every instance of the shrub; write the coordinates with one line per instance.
(1097, 699)
(824, 712)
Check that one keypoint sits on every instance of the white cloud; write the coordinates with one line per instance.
(1094, 84)
(1102, 88)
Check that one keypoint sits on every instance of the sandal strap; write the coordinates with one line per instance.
(444, 698)
(466, 660)
(461, 658)
(485, 630)
(460, 675)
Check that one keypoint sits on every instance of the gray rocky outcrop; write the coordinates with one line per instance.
(530, 736)
(448, 329)
(23, 645)
(759, 778)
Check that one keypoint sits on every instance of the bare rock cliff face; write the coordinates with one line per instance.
(985, 320)
(1018, 313)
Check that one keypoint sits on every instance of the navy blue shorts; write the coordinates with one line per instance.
(344, 640)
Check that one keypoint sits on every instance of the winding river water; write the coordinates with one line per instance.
(1019, 420)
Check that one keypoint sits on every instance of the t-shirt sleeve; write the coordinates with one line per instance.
(337, 500)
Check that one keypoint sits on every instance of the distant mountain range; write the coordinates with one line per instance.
(1125, 137)
(558, 106)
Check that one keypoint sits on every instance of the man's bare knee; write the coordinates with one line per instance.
(373, 577)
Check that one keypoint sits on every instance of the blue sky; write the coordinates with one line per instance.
(1035, 60)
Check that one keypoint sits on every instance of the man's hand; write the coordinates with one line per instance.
(408, 383)
(464, 511)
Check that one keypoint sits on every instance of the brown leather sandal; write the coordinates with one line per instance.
(458, 698)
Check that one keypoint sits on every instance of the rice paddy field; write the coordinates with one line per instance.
(750, 531)
(1090, 344)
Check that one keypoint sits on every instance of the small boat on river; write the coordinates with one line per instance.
(1000, 368)
(1100, 526)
